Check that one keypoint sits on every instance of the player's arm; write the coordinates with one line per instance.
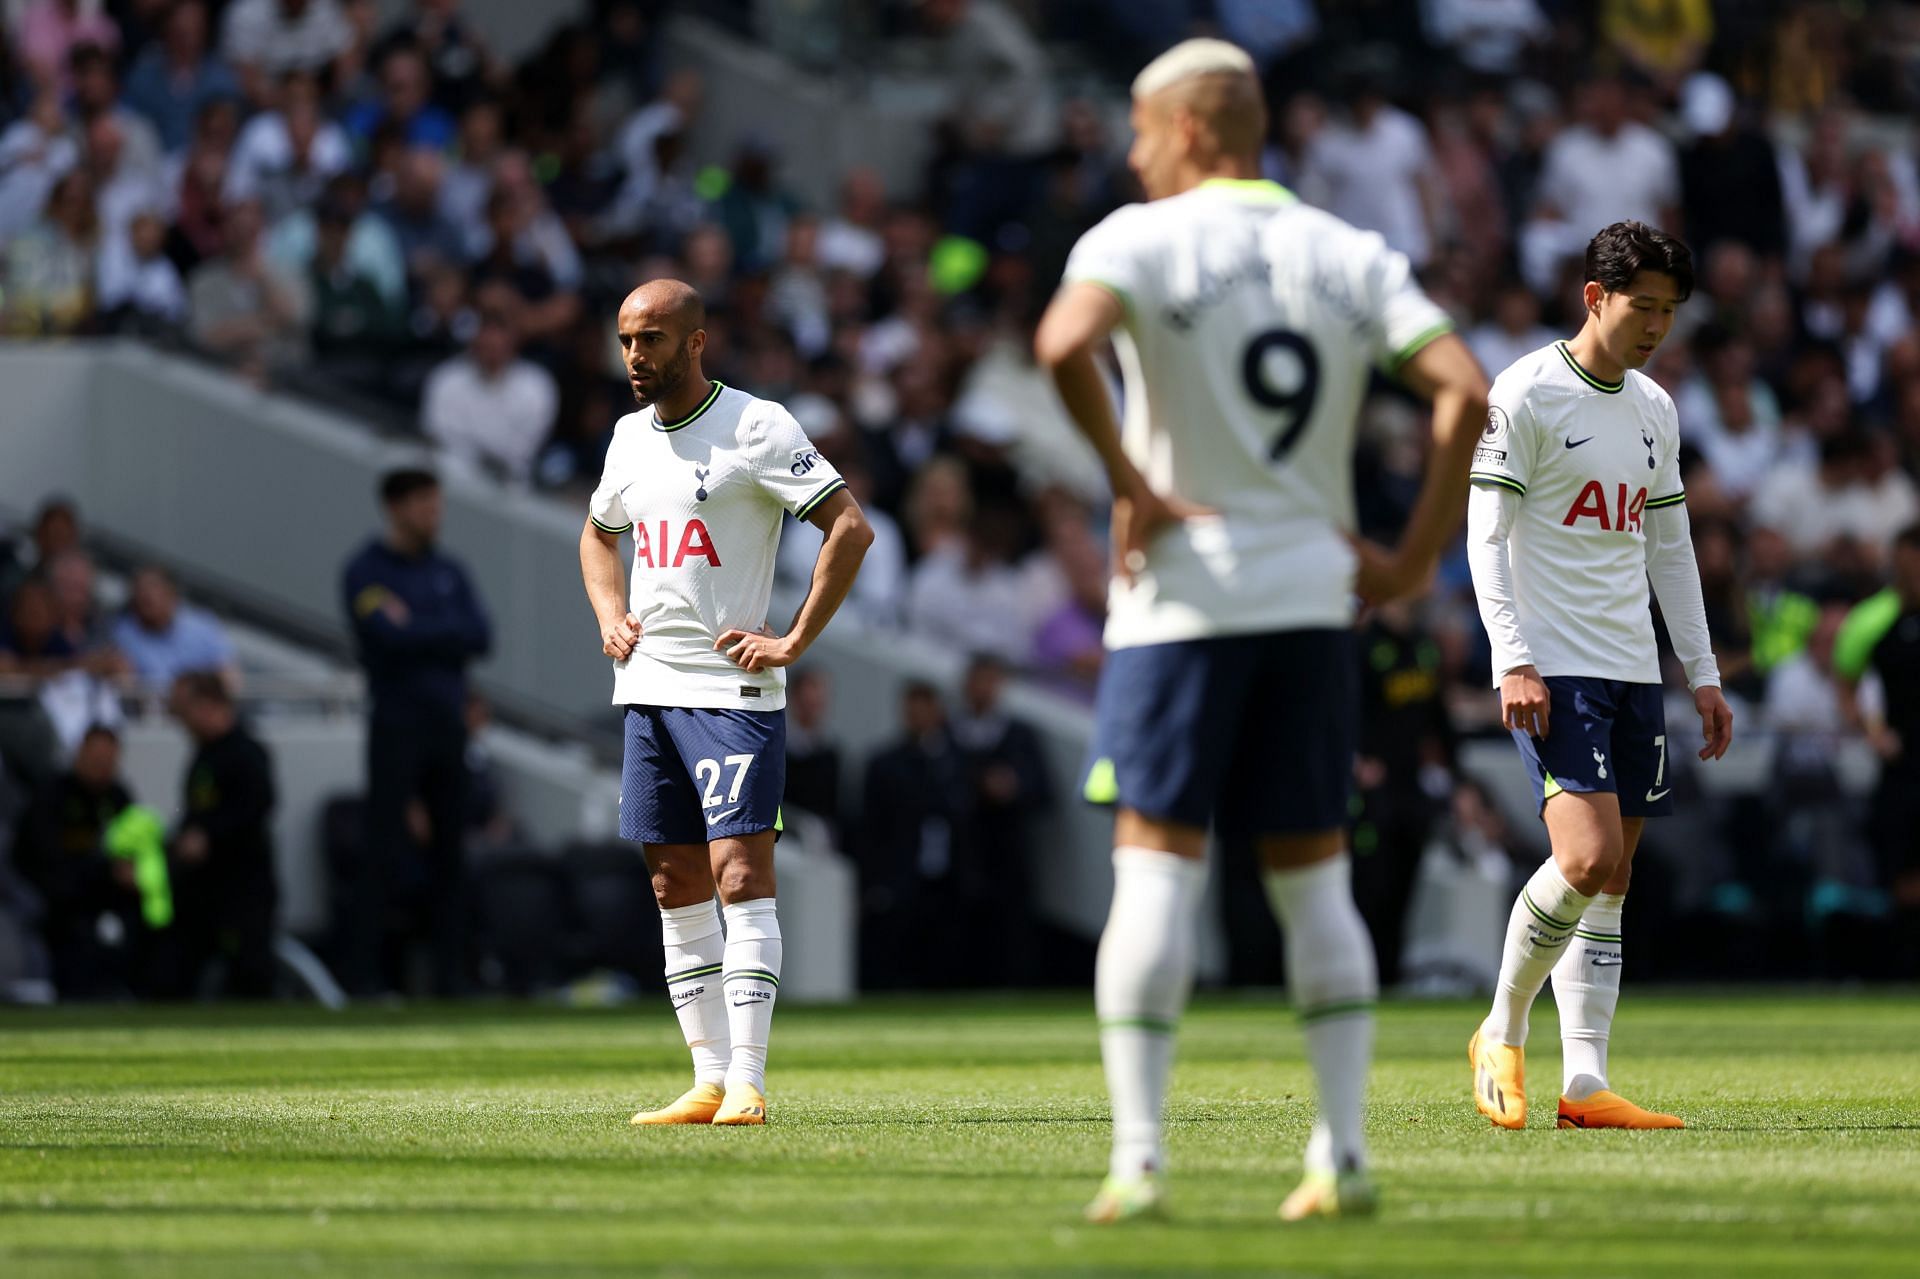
(1078, 319)
(1444, 373)
(848, 537)
(1676, 583)
(607, 591)
(1524, 700)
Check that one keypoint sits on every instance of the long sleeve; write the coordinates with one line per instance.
(1676, 584)
(242, 779)
(458, 632)
(475, 628)
(1491, 511)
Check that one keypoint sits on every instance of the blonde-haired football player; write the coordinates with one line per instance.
(1247, 326)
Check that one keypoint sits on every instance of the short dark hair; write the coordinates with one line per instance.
(1847, 446)
(86, 56)
(98, 729)
(1908, 538)
(57, 505)
(203, 686)
(981, 660)
(398, 485)
(1625, 249)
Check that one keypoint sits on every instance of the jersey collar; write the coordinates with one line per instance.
(689, 419)
(1611, 388)
(1254, 188)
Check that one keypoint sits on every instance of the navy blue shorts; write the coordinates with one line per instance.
(1249, 734)
(690, 776)
(1602, 735)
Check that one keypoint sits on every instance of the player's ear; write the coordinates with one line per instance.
(1182, 125)
(696, 342)
(1592, 293)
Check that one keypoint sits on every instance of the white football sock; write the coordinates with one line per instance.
(1544, 917)
(692, 939)
(1586, 986)
(1141, 980)
(752, 980)
(1333, 980)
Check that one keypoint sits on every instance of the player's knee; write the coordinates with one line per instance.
(1588, 869)
(673, 889)
(738, 879)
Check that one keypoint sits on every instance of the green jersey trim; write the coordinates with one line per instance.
(1126, 298)
(1611, 388)
(1498, 481)
(689, 419)
(1422, 340)
(608, 528)
(807, 508)
(1260, 188)
(1671, 499)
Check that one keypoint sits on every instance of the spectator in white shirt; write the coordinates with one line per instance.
(968, 596)
(34, 152)
(851, 240)
(469, 177)
(638, 148)
(1607, 168)
(96, 97)
(1376, 171)
(489, 408)
(881, 589)
(1489, 36)
(1813, 508)
(121, 189)
(264, 39)
(1513, 331)
(1730, 414)
(136, 278)
(1891, 502)
(284, 157)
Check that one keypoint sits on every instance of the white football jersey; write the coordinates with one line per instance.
(703, 498)
(1588, 460)
(1252, 324)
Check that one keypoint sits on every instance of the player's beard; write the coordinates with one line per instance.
(670, 377)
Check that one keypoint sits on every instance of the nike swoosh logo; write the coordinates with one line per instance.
(1654, 799)
(716, 818)
(1608, 963)
(742, 1003)
(1574, 444)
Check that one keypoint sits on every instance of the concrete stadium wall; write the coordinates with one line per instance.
(266, 497)
(558, 796)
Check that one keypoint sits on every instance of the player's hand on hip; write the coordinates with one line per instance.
(1382, 576)
(1138, 518)
(1716, 721)
(1524, 701)
(757, 650)
(619, 640)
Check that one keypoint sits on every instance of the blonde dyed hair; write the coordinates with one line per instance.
(1218, 83)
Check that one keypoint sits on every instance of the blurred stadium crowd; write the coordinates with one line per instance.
(393, 217)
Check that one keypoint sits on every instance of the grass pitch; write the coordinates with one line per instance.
(931, 1138)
